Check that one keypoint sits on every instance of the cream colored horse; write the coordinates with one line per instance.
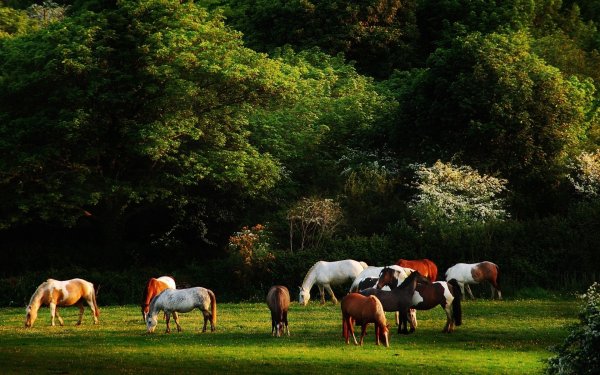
(54, 293)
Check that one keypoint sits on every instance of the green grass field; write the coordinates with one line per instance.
(508, 337)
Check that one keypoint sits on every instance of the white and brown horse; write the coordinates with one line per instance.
(154, 287)
(278, 300)
(54, 293)
(363, 310)
(475, 273)
(183, 300)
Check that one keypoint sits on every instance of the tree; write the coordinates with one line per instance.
(380, 35)
(148, 103)
(493, 104)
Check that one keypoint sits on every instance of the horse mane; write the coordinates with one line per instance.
(38, 294)
(309, 274)
(409, 279)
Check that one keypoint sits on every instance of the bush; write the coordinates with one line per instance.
(580, 352)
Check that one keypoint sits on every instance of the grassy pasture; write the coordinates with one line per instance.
(509, 337)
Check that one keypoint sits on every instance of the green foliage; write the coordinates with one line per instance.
(580, 352)
(128, 106)
(380, 35)
(492, 104)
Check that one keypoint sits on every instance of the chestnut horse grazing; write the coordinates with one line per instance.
(183, 300)
(363, 310)
(56, 293)
(325, 274)
(425, 267)
(427, 295)
(475, 273)
(278, 300)
(153, 288)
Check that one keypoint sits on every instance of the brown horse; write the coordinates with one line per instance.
(56, 293)
(427, 296)
(153, 288)
(475, 273)
(278, 300)
(362, 310)
(425, 267)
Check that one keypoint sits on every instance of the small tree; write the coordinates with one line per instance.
(580, 352)
(456, 194)
(313, 219)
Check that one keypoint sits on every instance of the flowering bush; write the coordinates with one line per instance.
(586, 174)
(580, 352)
(251, 247)
(456, 194)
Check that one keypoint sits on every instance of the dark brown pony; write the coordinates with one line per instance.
(425, 267)
(278, 300)
(475, 273)
(427, 296)
(399, 298)
(362, 310)
(153, 288)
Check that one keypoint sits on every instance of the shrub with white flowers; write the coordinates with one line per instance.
(580, 352)
(585, 175)
(456, 194)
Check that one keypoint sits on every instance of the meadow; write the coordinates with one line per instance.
(497, 337)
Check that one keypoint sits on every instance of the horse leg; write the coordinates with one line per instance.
(496, 289)
(363, 332)
(168, 321)
(449, 327)
(52, 306)
(285, 321)
(333, 299)
(351, 327)
(60, 319)
(322, 292)
(176, 319)
(468, 289)
(412, 319)
(81, 310)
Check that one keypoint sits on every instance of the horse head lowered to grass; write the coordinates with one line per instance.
(361, 310)
(278, 300)
(183, 300)
(55, 293)
(154, 287)
(325, 274)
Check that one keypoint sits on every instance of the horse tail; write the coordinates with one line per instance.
(94, 292)
(456, 306)
(213, 308)
(364, 265)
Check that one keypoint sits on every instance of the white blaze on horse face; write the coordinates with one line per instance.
(30, 317)
(304, 296)
(151, 323)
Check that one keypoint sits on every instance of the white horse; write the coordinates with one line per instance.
(56, 293)
(325, 274)
(369, 276)
(183, 300)
(474, 273)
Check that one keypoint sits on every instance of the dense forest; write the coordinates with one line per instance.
(239, 141)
